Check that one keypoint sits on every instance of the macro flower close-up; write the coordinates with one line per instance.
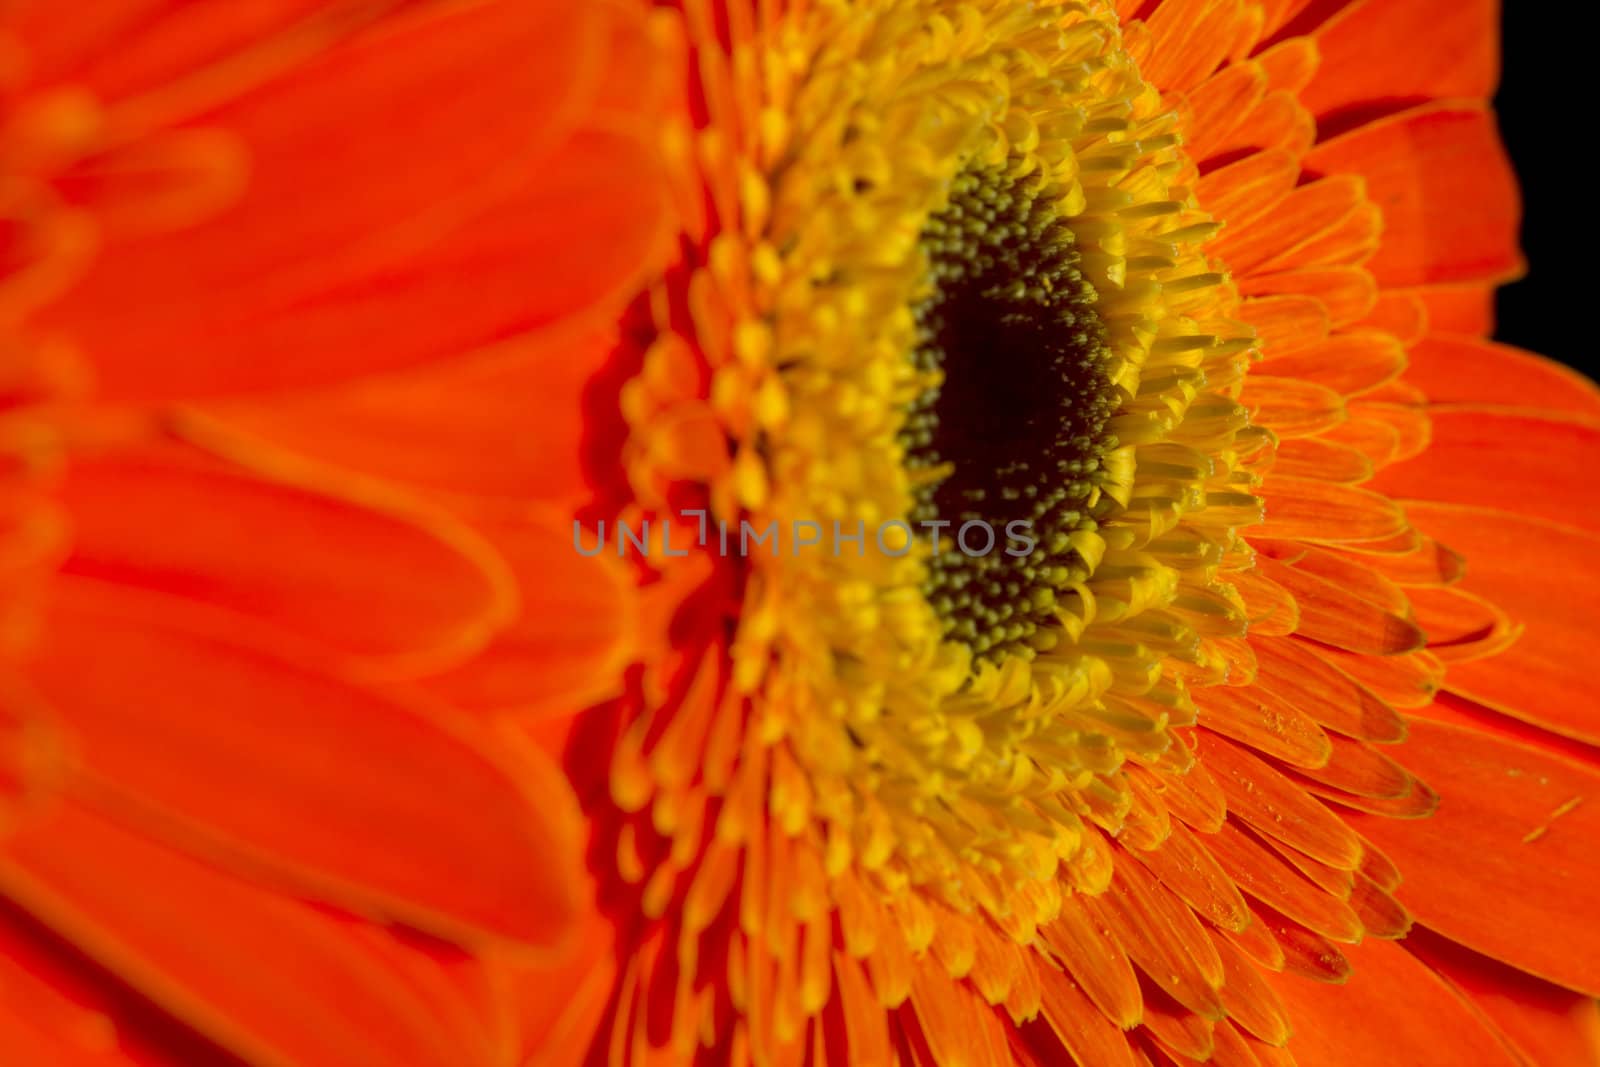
(900, 533)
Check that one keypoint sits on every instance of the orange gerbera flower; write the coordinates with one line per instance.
(339, 333)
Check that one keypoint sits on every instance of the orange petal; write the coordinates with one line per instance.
(1408, 680)
(1529, 464)
(1546, 1023)
(1374, 440)
(1515, 826)
(35, 754)
(1358, 580)
(130, 47)
(1217, 105)
(1300, 509)
(1189, 38)
(1177, 1031)
(1239, 657)
(559, 1008)
(1347, 363)
(60, 1010)
(1291, 407)
(957, 1025)
(1541, 679)
(1455, 710)
(465, 428)
(1358, 768)
(1295, 222)
(1263, 875)
(1249, 999)
(320, 566)
(1347, 294)
(1333, 614)
(1465, 370)
(1255, 718)
(465, 994)
(1006, 973)
(484, 234)
(1194, 796)
(1428, 564)
(177, 930)
(1408, 421)
(1278, 120)
(1380, 869)
(1285, 324)
(1299, 675)
(1370, 55)
(1302, 952)
(1271, 610)
(1399, 313)
(480, 285)
(1466, 310)
(241, 754)
(1290, 16)
(1257, 942)
(1392, 1010)
(1420, 167)
(859, 1029)
(1462, 625)
(47, 248)
(1418, 802)
(1070, 1029)
(574, 637)
(1184, 865)
(1270, 804)
(1381, 915)
(1232, 1047)
(1415, 801)
(1162, 936)
(1322, 459)
(165, 182)
(1089, 951)
(1248, 189)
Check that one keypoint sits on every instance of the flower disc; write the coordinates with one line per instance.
(1011, 332)
(961, 284)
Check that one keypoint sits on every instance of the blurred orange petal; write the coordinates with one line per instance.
(467, 429)
(322, 566)
(574, 638)
(272, 979)
(504, 224)
(191, 730)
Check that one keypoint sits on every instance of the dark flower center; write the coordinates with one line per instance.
(1016, 431)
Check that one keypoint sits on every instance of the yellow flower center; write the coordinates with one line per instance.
(956, 277)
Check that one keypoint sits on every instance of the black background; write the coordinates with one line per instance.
(1546, 97)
